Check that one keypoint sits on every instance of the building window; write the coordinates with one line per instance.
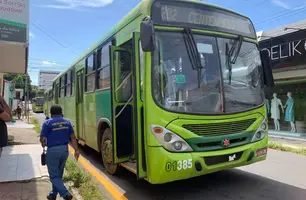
(103, 73)
(90, 78)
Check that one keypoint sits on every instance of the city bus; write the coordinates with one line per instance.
(48, 96)
(38, 104)
(175, 90)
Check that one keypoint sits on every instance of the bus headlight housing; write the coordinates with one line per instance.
(261, 132)
(169, 140)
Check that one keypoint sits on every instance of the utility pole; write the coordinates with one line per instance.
(26, 102)
(28, 97)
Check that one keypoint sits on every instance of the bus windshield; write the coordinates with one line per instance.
(209, 89)
(39, 101)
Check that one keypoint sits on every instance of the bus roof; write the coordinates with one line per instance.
(142, 8)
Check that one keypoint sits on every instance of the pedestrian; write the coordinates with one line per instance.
(55, 135)
(4, 117)
(19, 112)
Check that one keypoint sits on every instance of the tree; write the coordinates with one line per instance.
(20, 80)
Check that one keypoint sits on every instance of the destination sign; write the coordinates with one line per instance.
(193, 15)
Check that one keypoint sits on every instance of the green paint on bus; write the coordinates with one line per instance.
(169, 114)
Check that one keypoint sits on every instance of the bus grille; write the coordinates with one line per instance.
(219, 128)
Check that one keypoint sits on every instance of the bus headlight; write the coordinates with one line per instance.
(170, 140)
(261, 131)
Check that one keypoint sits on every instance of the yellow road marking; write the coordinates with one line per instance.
(111, 188)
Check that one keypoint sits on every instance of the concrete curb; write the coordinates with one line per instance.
(287, 138)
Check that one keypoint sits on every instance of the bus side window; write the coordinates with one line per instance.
(123, 76)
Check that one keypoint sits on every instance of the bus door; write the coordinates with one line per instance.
(122, 104)
(127, 109)
(80, 105)
(138, 71)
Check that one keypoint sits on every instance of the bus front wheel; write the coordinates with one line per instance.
(107, 152)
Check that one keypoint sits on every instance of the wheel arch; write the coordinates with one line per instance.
(103, 124)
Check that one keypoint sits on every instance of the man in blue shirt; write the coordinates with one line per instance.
(56, 134)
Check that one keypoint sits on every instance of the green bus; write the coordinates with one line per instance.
(175, 90)
(48, 96)
(38, 104)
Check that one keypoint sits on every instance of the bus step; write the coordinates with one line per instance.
(131, 166)
(81, 142)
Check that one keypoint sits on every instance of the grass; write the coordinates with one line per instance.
(281, 147)
(37, 126)
(75, 175)
(82, 181)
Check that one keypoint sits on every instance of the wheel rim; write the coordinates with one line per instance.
(108, 151)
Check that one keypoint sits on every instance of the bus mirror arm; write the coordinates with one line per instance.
(147, 36)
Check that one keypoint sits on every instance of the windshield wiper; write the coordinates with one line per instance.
(230, 59)
(239, 42)
(242, 103)
(193, 53)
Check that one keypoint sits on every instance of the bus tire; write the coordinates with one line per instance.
(107, 152)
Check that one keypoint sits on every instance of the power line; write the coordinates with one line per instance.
(42, 60)
(262, 2)
(279, 14)
(55, 40)
(298, 13)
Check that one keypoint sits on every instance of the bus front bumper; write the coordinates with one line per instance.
(166, 166)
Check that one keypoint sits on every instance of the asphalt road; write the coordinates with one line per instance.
(281, 177)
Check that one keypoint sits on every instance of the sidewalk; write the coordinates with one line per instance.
(22, 177)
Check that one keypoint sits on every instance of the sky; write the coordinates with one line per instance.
(61, 30)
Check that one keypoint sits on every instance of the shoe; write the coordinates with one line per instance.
(68, 197)
(50, 197)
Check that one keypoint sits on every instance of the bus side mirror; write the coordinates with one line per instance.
(268, 79)
(147, 36)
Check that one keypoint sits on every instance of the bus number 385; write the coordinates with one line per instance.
(179, 165)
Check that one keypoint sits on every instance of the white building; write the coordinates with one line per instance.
(45, 79)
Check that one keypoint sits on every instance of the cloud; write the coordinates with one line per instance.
(31, 35)
(281, 3)
(300, 7)
(50, 64)
(75, 4)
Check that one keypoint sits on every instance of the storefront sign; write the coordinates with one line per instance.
(14, 20)
(193, 15)
(286, 50)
